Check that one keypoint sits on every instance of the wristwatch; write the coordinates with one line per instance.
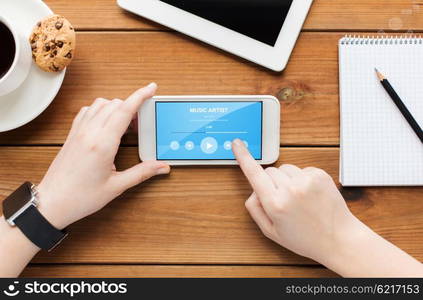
(20, 209)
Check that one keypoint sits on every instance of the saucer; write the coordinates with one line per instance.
(38, 90)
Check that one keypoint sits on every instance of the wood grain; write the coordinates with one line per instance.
(155, 228)
(357, 15)
(201, 219)
(157, 271)
(111, 65)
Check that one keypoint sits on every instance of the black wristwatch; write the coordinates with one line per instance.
(20, 209)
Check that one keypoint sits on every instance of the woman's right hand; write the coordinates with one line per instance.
(300, 209)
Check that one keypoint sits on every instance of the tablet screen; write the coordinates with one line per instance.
(205, 130)
(261, 20)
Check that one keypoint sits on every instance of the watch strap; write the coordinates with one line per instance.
(38, 230)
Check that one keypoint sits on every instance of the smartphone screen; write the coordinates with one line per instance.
(205, 130)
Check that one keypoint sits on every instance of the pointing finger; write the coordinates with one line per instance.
(257, 177)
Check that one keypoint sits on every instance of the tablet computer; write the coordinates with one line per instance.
(262, 31)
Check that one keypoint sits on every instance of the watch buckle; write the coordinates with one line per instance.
(34, 192)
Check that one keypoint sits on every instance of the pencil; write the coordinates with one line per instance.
(400, 104)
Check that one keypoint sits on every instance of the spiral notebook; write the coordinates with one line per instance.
(378, 146)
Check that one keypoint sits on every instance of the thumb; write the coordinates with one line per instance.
(140, 173)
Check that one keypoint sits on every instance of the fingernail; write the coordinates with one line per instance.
(152, 85)
(163, 171)
(238, 142)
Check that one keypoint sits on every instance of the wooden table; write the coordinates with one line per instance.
(193, 222)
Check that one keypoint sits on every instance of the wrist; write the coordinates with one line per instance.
(347, 246)
(12, 238)
(51, 209)
(16, 248)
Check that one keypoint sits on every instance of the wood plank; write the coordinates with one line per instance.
(201, 219)
(112, 65)
(366, 15)
(139, 271)
(358, 15)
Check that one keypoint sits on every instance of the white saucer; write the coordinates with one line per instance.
(39, 89)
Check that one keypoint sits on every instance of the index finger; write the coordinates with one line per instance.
(121, 118)
(134, 101)
(257, 177)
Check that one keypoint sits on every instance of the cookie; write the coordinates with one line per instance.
(53, 43)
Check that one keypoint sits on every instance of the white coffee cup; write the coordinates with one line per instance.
(21, 62)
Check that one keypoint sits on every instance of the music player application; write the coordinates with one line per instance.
(205, 130)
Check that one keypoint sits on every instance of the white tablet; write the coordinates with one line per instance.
(263, 31)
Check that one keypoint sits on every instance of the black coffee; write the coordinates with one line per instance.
(7, 49)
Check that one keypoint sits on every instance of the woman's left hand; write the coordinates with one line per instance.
(83, 178)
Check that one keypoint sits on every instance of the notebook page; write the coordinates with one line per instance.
(378, 146)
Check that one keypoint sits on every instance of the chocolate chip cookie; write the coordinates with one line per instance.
(53, 43)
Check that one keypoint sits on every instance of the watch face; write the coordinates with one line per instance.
(17, 200)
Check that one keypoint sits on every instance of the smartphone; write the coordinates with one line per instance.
(199, 130)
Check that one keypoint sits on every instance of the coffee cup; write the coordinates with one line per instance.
(15, 56)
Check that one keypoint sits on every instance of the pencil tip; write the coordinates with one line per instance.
(379, 75)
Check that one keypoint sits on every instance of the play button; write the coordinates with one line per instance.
(209, 145)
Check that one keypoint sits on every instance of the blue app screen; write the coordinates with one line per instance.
(205, 130)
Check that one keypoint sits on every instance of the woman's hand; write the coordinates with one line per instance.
(83, 178)
(302, 210)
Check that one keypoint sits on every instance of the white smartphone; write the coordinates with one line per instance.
(199, 130)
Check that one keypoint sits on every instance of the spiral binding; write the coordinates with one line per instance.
(381, 40)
